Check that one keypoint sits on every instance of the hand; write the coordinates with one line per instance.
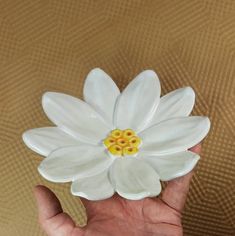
(117, 216)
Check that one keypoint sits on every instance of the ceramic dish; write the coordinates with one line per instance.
(118, 142)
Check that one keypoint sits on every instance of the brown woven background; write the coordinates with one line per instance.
(51, 45)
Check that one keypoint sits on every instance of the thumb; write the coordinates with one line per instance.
(50, 214)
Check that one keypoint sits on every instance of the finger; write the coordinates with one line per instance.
(47, 202)
(176, 191)
(50, 213)
(197, 149)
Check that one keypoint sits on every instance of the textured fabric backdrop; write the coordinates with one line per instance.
(50, 45)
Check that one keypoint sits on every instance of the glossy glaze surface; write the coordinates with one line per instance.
(75, 151)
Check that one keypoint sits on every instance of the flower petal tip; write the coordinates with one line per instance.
(42, 171)
(95, 73)
(149, 74)
(207, 122)
(203, 120)
(193, 162)
(96, 70)
(189, 91)
(89, 197)
(47, 95)
(197, 157)
(25, 136)
(139, 196)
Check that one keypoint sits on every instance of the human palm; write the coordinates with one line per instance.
(118, 216)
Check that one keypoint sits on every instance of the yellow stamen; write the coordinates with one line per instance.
(116, 133)
(129, 150)
(122, 142)
(134, 141)
(128, 133)
(109, 141)
(115, 150)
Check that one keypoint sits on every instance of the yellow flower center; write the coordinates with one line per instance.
(122, 142)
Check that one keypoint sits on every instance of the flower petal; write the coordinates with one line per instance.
(45, 140)
(134, 179)
(96, 187)
(70, 163)
(138, 102)
(75, 117)
(174, 165)
(174, 135)
(177, 103)
(101, 92)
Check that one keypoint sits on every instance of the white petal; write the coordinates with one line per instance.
(75, 117)
(138, 102)
(96, 187)
(70, 163)
(134, 179)
(177, 103)
(101, 92)
(174, 165)
(174, 135)
(45, 140)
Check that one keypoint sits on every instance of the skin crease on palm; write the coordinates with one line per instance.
(160, 216)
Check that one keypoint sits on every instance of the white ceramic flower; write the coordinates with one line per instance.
(125, 142)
